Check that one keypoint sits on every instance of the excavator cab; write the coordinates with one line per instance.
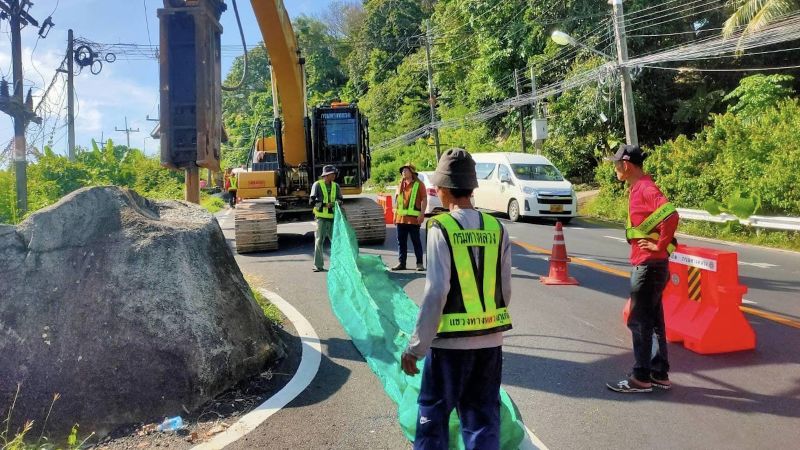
(340, 137)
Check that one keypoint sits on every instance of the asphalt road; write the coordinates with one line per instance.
(566, 343)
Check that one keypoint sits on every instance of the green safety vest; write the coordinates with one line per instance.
(325, 213)
(412, 201)
(470, 310)
(234, 181)
(643, 230)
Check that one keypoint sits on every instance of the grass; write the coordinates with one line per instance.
(613, 209)
(16, 441)
(212, 204)
(271, 311)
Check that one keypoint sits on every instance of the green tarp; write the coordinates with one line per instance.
(379, 317)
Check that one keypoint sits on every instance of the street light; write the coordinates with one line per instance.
(561, 38)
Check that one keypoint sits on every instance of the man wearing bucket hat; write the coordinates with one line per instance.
(410, 201)
(324, 193)
(651, 225)
(464, 312)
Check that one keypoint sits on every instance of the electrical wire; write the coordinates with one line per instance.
(244, 49)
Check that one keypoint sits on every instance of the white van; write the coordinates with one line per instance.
(523, 185)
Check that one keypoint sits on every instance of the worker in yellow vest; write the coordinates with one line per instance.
(410, 199)
(651, 225)
(463, 315)
(233, 188)
(324, 193)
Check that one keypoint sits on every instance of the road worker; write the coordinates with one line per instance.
(324, 193)
(460, 326)
(410, 199)
(650, 229)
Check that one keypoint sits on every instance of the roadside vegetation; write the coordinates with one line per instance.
(22, 439)
(53, 176)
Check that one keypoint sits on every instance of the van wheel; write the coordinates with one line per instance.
(513, 211)
(565, 220)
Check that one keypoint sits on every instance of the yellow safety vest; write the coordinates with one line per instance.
(470, 310)
(412, 201)
(326, 213)
(643, 230)
(234, 182)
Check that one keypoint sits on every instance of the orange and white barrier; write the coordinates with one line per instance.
(701, 302)
(385, 201)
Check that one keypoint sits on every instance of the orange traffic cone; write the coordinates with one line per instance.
(558, 261)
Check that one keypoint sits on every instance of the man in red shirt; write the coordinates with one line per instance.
(650, 229)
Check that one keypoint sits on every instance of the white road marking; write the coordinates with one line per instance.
(759, 265)
(577, 228)
(748, 302)
(309, 365)
(531, 442)
(617, 238)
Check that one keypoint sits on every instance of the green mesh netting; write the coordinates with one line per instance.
(379, 317)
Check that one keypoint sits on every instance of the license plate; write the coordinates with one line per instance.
(556, 208)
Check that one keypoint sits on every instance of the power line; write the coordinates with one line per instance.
(741, 69)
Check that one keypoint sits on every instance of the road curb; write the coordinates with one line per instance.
(306, 371)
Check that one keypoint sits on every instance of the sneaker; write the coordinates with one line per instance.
(664, 383)
(420, 268)
(399, 266)
(630, 385)
(318, 269)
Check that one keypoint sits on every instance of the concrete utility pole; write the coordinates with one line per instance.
(431, 91)
(631, 135)
(21, 110)
(521, 113)
(70, 95)
(127, 131)
(536, 143)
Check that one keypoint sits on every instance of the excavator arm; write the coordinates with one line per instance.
(287, 75)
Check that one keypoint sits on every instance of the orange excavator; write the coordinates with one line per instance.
(281, 168)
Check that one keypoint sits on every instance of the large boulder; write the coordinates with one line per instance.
(129, 308)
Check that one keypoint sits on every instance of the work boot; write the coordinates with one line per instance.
(420, 268)
(399, 266)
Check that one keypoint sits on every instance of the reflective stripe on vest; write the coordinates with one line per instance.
(643, 230)
(470, 311)
(325, 213)
(234, 182)
(412, 202)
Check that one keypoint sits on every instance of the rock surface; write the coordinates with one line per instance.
(130, 309)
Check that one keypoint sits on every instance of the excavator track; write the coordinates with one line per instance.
(256, 225)
(366, 218)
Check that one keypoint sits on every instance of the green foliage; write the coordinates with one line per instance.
(754, 15)
(759, 92)
(747, 164)
(54, 176)
(211, 203)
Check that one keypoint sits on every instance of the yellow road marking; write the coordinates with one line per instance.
(625, 274)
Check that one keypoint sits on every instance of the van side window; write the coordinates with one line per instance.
(504, 172)
(485, 170)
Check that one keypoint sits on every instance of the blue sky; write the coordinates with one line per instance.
(127, 87)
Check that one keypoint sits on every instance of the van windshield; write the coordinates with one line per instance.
(536, 172)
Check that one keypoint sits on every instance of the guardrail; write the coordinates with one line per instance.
(773, 223)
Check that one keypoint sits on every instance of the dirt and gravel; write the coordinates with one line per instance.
(215, 416)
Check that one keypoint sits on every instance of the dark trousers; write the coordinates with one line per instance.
(646, 319)
(404, 231)
(232, 199)
(469, 381)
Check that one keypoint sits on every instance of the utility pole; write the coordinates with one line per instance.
(521, 113)
(70, 96)
(431, 91)
(536, 143)
(631, 135)
(127, 131)
(14, 105)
